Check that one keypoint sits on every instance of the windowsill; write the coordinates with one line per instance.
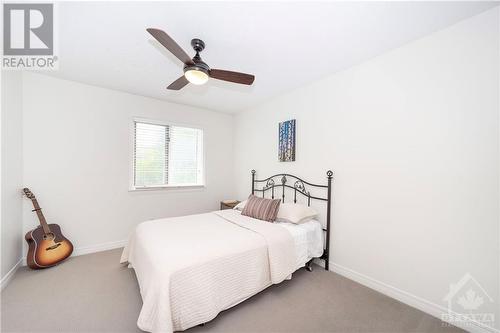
(166, 187)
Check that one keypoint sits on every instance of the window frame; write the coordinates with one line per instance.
(132, 187)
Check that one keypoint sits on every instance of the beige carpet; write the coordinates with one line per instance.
(93, 293)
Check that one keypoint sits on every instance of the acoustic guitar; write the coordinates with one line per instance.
(47, 245)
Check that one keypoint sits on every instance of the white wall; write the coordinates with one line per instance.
(11, 172)
(77, 158)
(413, 139)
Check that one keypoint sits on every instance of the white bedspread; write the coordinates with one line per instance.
(190, 268)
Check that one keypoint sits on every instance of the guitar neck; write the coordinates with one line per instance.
(41, 218)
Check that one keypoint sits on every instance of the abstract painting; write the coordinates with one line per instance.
(286, 148)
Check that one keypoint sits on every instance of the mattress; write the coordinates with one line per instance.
(308, 240)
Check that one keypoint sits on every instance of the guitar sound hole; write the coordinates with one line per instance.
(49, 236)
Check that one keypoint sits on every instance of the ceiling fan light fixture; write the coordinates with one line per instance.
(196, 75)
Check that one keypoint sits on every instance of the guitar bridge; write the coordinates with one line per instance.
(53, 247)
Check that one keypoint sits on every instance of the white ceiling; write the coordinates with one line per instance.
(285, 45)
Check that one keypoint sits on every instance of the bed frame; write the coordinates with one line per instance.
(299, 186)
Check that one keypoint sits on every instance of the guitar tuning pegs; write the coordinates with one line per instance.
(28, 193)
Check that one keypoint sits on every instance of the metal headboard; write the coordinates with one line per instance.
(281, 180)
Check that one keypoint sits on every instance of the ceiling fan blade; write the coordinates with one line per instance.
(178, 84)
(235, 77)
(170, 44)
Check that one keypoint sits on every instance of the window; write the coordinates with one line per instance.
(167, 155)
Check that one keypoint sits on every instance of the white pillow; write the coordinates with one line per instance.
(240, 206)
(295, 213)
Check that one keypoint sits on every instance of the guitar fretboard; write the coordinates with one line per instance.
(39, 213)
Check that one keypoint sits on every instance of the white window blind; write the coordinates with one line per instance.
(167, 155)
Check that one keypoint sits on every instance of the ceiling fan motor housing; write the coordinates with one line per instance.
(199, 65)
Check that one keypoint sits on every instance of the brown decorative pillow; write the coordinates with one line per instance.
(261, 208)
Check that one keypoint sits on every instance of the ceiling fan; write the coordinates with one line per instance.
(196, 71)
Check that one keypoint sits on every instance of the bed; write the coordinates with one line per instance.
(190, 268)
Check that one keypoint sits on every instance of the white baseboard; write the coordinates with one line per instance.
(6, 279)
(410, 299)
(99, 247)
(92, 248)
